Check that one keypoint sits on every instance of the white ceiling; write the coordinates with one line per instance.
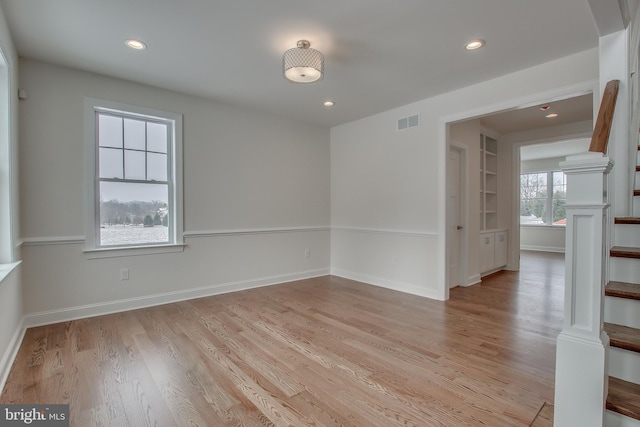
(570, 110)
(380, 54)
(554, 149)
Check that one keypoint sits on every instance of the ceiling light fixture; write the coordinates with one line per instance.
(136, 44)
(474, 44)
(551, 115)
(329, 103)
(545, 107)
(303, 64)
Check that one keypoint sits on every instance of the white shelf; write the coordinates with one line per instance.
(488, 182)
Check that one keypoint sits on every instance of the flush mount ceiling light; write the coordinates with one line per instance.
(474, 44)
(303, 64)
(551, 115)
(328, 103)
(136, 44)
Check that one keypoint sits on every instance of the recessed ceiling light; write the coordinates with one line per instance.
(474, 44)
(329, 103)
(551, 115)
(136, 44)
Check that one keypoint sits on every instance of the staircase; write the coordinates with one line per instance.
(622, 322)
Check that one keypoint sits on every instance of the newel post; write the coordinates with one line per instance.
(582, 346)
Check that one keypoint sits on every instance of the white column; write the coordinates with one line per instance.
(582, 346)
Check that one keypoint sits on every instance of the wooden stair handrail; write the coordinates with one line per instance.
(601, 131)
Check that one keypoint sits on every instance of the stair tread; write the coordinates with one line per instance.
(624, 398)
(623, 337)
(627, 220)
(636, 192)
(625, 252)
(623, 290)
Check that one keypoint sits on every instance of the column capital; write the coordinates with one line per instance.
(588, 162)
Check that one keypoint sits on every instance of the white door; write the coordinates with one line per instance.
(454, 213)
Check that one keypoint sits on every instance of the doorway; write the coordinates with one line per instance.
(512, 128)
(456, 195)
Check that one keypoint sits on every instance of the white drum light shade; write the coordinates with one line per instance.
(303, 64)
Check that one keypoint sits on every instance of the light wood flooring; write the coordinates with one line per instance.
(319, 352)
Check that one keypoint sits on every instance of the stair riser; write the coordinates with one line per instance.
(624, 364)
(624, 270)
(636, 206)
(622, 311)
(613, 419)
(627, 234)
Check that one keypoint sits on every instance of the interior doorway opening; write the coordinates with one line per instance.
(493, 175)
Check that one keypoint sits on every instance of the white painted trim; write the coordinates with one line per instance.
(72, 240)
(58, 240)
(473, 280)
(543, 226)
(11, 352)
(542, 248)
(124, 251)
(253, 231)
(388, 284)
(386, 231)
(99, 309)
(5, 270)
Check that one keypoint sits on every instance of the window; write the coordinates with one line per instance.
(7, 201)
(135, 195)
(543, 198)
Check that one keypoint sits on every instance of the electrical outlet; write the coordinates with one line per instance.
(124, 274)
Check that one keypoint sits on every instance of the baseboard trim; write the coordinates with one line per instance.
(100, 309)
(542, 249)
(11, 353)
(473, 280)
(388, 284)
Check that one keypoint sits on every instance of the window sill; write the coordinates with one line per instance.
(132, 251)
(6, 269)
(553, 227)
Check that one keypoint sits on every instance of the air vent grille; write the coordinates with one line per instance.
(409, 122)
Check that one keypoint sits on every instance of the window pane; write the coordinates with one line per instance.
(533, 198)
(109, 131)
(559, 199)
(110, 163)
(134, 134)
(157, 137)
(156, 167)
(134, 167)
(133, 214)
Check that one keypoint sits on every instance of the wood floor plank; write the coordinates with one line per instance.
(326, 351)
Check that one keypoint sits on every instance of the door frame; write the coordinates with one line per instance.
(558, 93)
(464, 213)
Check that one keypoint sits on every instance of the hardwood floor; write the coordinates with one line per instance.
(321, 352)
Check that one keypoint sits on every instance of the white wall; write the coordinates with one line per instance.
(388, 188)
(11, 308)
(467, 135)
(256, 196)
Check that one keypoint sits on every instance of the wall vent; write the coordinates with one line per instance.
(409, 122)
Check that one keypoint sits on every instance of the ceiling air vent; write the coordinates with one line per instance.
(409, 122)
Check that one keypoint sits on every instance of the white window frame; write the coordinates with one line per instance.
(7, 197)
(548, 200)
(92, 207)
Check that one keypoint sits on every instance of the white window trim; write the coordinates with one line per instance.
(8, 199)
(92, 250)
(548, 200)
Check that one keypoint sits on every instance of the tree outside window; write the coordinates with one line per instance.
(543, 198)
